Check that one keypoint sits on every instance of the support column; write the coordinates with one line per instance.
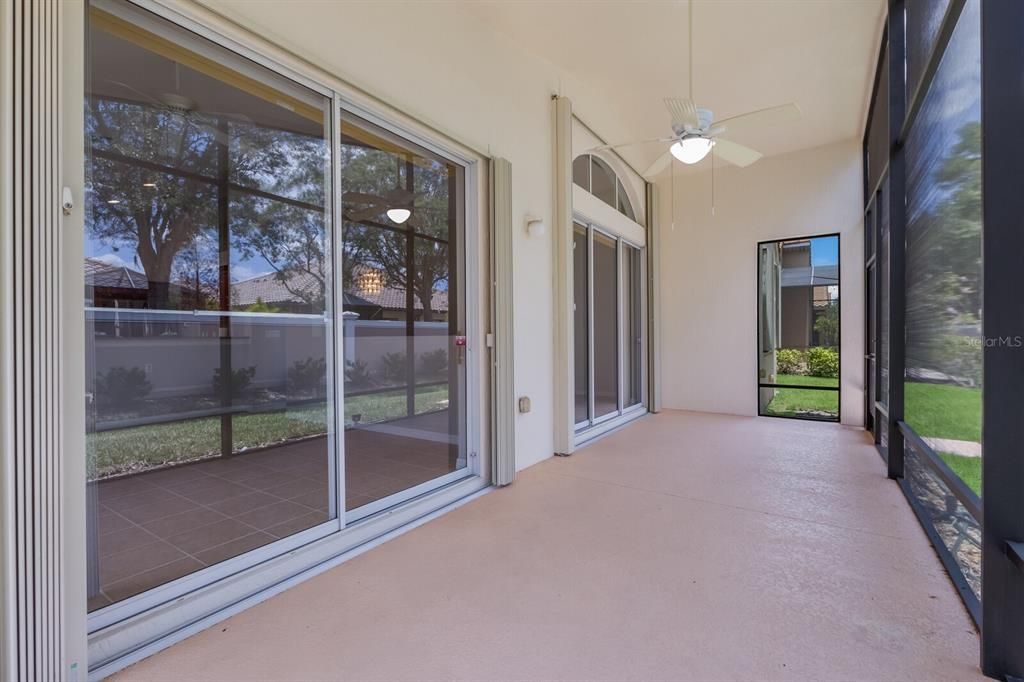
(1002, 159)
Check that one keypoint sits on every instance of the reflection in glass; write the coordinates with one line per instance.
(581, 337)
(207, 305)
(943, 273)
(605, 327)
(798, 328)
(405, 380)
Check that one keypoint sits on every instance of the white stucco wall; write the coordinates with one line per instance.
(445, 68)
(709, 271)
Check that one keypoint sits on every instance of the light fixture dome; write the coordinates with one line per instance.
(692, 149)
(398, 215)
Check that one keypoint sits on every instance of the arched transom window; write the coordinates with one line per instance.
(597, 177)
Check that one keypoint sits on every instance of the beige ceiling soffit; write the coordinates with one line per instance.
(129, 32)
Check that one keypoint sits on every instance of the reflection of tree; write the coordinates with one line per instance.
(286, 229)
(413, 256)
(159, 178)
(131, 146)
(196, 270)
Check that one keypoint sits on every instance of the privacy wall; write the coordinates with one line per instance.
(709, 270)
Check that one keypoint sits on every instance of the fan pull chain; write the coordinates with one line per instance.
(673, 164)
(712, 181)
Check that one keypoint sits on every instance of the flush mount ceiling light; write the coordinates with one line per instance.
(692, 149)
(398, 215)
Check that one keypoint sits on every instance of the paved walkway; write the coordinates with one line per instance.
(686, 546)
(964, 448)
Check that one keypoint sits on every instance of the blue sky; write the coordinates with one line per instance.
(825, 251)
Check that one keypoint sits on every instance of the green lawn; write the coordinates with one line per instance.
(967, 468)
(143, 447)
(943, 411)
(801, 380)
(794, 402)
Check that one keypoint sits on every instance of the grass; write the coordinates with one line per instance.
(139, 448)
(801, 380)
(943, 411)
(967, 468)
(794, 402)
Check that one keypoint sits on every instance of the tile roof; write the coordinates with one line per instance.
(99, 273)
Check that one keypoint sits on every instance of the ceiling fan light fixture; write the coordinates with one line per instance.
(690, 150)
(398, 215)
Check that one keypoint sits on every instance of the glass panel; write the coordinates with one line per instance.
(405, 374)
(883, 294)
(878, 134)
(798, 326)
(944, 286)
(606, 324)
(632, 334)
(581, 337)
(602, 181)
(624, 206)
(207, 305)
(581, 171)
(923, 21)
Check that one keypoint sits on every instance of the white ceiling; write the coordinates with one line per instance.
(748, 54)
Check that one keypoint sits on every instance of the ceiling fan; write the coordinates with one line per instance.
(695, 132)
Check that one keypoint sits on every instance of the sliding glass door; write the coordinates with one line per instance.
(404, 316)
(608, 324)
(277, 331)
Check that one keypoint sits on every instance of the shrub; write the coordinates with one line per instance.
(308, 374)
(394, 367)
(791, 361)
(122, 386)
(240, 380)
(357, 374)
(823, 361)
(434, 363)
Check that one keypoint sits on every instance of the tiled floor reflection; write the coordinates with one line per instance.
(158, 526)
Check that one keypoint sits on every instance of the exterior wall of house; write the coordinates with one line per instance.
(796, 317)
(444, 67)
(709, 330)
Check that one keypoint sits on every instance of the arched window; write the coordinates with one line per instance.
(597, 177)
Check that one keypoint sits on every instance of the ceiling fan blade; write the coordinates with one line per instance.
(659, 165)
(734, 153)
(630, 144)
(684, 111)
(785, 113)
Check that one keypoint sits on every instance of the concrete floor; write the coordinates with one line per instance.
(685, 546)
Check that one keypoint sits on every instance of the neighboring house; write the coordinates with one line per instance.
(806, 291)
(369, 297)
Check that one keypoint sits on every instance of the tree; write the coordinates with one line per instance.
(944, 256)
(827, 325)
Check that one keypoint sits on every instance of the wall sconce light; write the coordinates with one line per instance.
(535, 227)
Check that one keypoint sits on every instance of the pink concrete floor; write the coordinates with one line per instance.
(685, 546)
